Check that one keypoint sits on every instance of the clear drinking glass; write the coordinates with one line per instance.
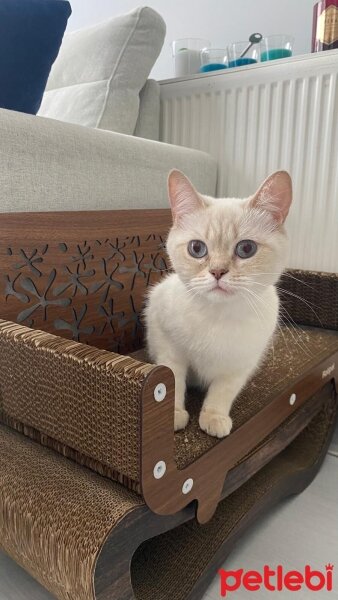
(235, 51)
(276, 46)
(213, 59)
(187, 55)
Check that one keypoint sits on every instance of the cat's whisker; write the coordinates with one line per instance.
(193, 292)
(285, 313)
(280, 328)
(263, 301)
(259, 315)
(199, 282)
(258, 312)
(310, 305)
(196, 284)
(197, 289)
(284, 274)
(293, 331)
(296, 336)
(306, 302)
(282, 290)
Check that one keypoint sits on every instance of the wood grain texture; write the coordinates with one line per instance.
(82, 275)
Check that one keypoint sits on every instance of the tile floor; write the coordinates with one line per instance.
(301, 530)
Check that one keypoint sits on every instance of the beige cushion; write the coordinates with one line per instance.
(100, 71)
(148, 121)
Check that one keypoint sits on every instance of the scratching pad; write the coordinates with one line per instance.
(54, 515)
(90, 410)
(293, 351)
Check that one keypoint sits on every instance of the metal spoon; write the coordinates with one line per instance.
(254, 38)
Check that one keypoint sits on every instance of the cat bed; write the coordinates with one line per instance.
(96, 491)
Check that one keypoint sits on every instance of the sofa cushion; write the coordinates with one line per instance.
(100, 72)
(31, 32)
(148, 121)
(49, 165)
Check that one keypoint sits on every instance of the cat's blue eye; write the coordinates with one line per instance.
(197, 249)
(246, 249)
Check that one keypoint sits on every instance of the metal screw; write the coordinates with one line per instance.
(159, 469)
(160, 392)
(292, 399)
(187, 486)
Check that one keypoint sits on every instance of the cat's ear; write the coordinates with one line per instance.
(274, 196)
(183, 197)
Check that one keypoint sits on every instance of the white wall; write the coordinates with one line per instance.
(220, 21)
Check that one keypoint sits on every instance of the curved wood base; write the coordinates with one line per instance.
(140, 556)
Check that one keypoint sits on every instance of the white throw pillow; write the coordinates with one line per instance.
(98, 75)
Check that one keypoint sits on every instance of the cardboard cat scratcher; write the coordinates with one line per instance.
(98, 497)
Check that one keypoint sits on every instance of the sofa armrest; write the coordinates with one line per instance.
(49, 165)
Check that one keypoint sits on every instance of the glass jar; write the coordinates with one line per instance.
(187, 55)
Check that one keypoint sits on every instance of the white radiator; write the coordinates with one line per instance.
(255, 120)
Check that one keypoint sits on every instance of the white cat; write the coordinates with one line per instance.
(217, 313)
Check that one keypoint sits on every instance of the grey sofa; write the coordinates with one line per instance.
(49, 165)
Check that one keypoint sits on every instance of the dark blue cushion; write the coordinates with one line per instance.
(31, 33)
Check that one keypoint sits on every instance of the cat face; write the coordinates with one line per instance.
(224, 248)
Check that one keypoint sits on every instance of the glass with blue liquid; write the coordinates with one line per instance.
(276, 46)
(213, 59)
(236, 50)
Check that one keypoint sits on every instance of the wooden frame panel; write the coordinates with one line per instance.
(209, 472)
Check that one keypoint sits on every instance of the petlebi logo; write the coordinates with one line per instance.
(275, 580)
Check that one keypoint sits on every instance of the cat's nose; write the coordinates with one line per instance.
(218, 273)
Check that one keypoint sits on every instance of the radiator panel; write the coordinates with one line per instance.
(280, 115)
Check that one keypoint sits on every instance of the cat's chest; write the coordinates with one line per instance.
(213, 337)
(216, 342)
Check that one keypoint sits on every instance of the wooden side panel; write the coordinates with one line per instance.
(82, 275)
(204, 479)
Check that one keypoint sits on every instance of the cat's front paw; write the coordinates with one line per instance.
(181, 418)
(215, 424)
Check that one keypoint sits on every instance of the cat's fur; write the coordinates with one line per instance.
(193, 325)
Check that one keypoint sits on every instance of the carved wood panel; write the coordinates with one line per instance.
(82, 275)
